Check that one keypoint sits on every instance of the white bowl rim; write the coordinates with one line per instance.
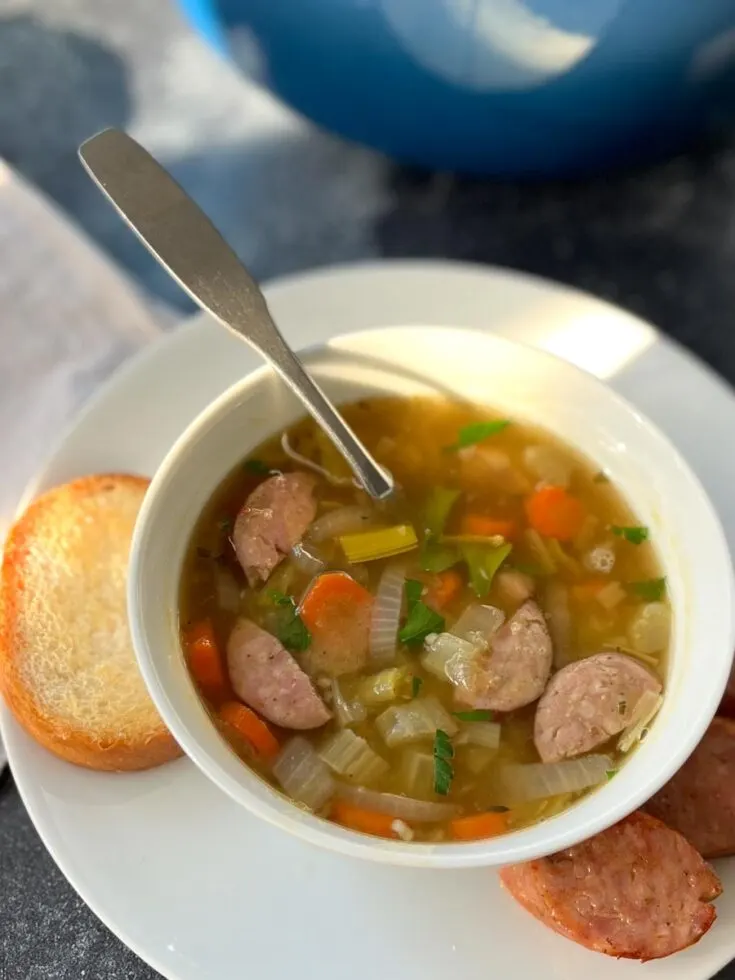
(495, 851)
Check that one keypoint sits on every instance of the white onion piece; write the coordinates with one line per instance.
(483, 733)
(345, 520)
(643, 714)
(649, 628)
(548, 464)
(405, 723)
(302, 774)
(386, 614)
(401, 807)
(611, 595)
(306, 560)
(226, 590)
(478, 623)
(309, 464)
(346, 712)
(541, 779)
(451, 659)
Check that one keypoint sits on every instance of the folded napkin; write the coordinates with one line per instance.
(68, 318)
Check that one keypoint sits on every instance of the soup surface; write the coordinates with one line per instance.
(466, 659)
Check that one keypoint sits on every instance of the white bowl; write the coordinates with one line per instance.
(523, 383)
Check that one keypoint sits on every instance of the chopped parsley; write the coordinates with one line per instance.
(610, 773)
(420, 622)
(414, 590)
(635, 535)
(478, 714)
(470, 435)
(257, 467)
(416, 685)
(483, 561)
(650, 590)
(443, 769)
(290, 627)
(438, 508)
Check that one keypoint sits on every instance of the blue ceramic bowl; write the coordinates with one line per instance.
(505, 87)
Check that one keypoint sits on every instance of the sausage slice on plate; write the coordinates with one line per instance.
(637, 890)
(516, 670)
(266, 677)
(274, 519)
(699, 801)
(587, 702)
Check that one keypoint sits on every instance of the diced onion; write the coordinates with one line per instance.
(387, 685)
(351, 757)
(302, 774)
(483, 733)
(309, 464)
(649, 628)
(383, 542)
(451, 659)
(401, 807)
(643, 714)
(386, 614)
(345, 520)
(402, 830)
(306, 560)
(346, 712)
(416, 720)
(548, 464)
(611, 595)
(537, 780)
(515, 586)
(226, 590)
(478, 623)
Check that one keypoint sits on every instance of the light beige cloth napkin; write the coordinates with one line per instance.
(68, 318)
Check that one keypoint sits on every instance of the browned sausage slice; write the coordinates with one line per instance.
(268, 679)
(516, 669)
(587, 702)
(727, 705)
(637, 890)
(273, 519)
(699, 801)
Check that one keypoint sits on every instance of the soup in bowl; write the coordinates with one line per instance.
(500, 660)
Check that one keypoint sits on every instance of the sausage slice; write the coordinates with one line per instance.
(727, 705)
(517, 667)
(266, 677)
(273, 519)
(587, 702)
(637, 890)
(699, 801)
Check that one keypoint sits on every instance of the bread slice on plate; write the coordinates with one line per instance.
(67, 667)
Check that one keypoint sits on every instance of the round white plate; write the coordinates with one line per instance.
(191, 882)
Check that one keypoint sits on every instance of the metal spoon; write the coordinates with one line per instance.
(188, 246)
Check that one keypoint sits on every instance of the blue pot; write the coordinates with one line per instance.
(504, 87)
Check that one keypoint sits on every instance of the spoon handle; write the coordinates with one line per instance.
(185, 242)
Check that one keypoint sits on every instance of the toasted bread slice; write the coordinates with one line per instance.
(67, 667)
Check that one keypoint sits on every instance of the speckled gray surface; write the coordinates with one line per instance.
(660, 242)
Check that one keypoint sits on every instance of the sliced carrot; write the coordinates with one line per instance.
(443, 588)
(555, 513)
(478, 826)
(332, 597)
(488, 527)
(205, 661)
(252, 728)
(366, 821)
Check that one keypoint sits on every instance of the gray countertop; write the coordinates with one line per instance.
(660, 242)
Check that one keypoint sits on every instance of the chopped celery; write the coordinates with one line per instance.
(417, 773)
(379, 543)
(351, 757)
(387, 685)
(412, 722)
(438, 507)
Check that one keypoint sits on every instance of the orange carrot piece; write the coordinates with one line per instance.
(205, 661)
(586, 591)
(555, 513)
(332, 596)
(478, 826)
(487, 527)
(366, 821)
(443, 588)
(252, 728)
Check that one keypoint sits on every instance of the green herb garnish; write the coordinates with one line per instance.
(443, 769)
(635, 535)
(421, 620)
(478, 714)
(290, 627)
(610, 773)
(416, 685)
(470, 435)
(256, 466)
(483, 561)
(650, 590)
(438, 508)
(437, 557)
